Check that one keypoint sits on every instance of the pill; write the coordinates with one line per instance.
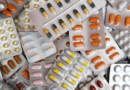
(73, 73)
(96, 59)
(68, 44)
(94, 20)
(127, 69)
(79, 68)
(53, 78)
(99, 84)
(67, 1)
(70, 19)
(116, 78)
(28, 36)
(6, 45)
(48, 65)
(111, 50)
(112, 18)
(92, 87)
(25, 74)
(83, 62)
(32, 50)
(7, 52)
(78, 44)
(117, 69)
(118, 19)
(95, 36)
(37, 74)
(20, 86)
(11, 7)
(8, 21)
(16, 49)
(62, 24)
(37, 82)
(126, 78)
(55, 29)
(107, 40)
(1, 31)
(66, 86)
(36, 67)
(90, 52)
(66, 59)
(59, 3)
(70, 80)
(48, 50)
(43, 12)
(127, 21)
(95, 26)
(84, 9)
(126, 87)
(62, 66)
(26, 20)
(12, 36)
(100, 65)
(128, 8)
(10, 29)
(19, 1)
(77, 13)
(17, 59)
(122, 5)
(96, 43)
(91, 3)
(35, 5)
(5, 69)
(7, 13)
(58, 72)
(71, 54)
(78, 27)
(78, 38)
(114, 56)
(11, 64)
(116, 87)
(50, 7)
(27, 68)
(26, 26)
(34, 57)
(47, 33)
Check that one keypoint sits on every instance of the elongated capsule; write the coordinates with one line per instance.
(43, 12)
(58, 72)
(67, 1)
(62, 23)
(77, 13)
(73, 73)
(53, 78)
(55, 29)
(66, 86)
(72, 81)
(66, 59)
(84, 9)
(71, 54)
(47, 33)
(91, 3)
(79, 68)
(50, 7)
(59, 3)
(70, 19)
(62, 66)
(82, 61)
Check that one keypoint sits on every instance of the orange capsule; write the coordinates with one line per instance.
(78, 44)
(127, 21)
(114, 56)
(17, 59)
(90, 52)
(78, 37)
(96, 59)
(5, 69)
(94, 20)
(95, 36)
(95, 26)
(96, 43)
(25, 74)
(100, 65)
(19, 1)
(7, 13)
(11, 7)
(107, 40)
(111, 50)
(112, 18)
(118, 19)
(27, 69)
(128, 8)
(78, 27)
(11, 64)
(68, 44)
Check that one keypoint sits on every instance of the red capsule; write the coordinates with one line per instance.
(99, 84)
(92, 88)
(20, 86)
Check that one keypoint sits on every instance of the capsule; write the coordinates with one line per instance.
(118, 19)
(5, 69)
(71, 54)
(111, 50)
(70, 19)
(58, 72)
(107, 40)
(25, 74)
(90, 52)
(92, 87)
(50, 7)
(112, 18)
(78, 38)
(11, 64)
(62, 23)
(114, 56)
(79, 68)
(43, 12)
(7, 13)
(53, 78)
(55, 29)
(84, 9)
(77, 13)
(95, 26)
(82, 61)
(19, 1)
(94, 20)
(128, 8)
(100, 65)
(11, 7)
(75, 74)
(96, 59)
(47, 33)
(72, 81)
(67, 1)
(59, 3)
(66, 86)
(95, 36)
(127, 21)
(91, 3)
(78, 44)
(62, 66)
(96, 43)
(17, 59)
(66, 59)
(78, 28)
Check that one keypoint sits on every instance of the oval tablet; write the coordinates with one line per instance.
(99, 84)
(11, 7)
(37, 82)
(78, 44)
(111, 50)
(100, 65)
(25, 74)
(90, 52)
(95, 36)
(94, 26)
(5, 69)
(96, 43)
(127, 21)
(114, 56)
(107, 40)
(7, 13)
(94, 20)
(35, 67)
(37, 74)
(11, 64)
(78, 27)
(78, 37)
(17, 59)
(112, 18)
(96, 59)
(118, 19)
(92, 87)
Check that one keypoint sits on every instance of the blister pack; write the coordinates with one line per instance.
(99, 83)
(119, 76)
(89, 35)
(11, 65)
(115, 19)
(55, 18)
(4, 86)
(102, 59)
(13, 7)
(67, 70)
(38, 71)
(3, 5)
(9, 39)
(35, 47)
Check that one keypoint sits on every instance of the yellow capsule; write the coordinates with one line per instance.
(55, 29)
(79, 68)
(78, 15)
(53, 78)
(26, 13)
(26, 26)
(35, 5)
(16, 50)
(58, 72)
(14, 42)
(8, 22)
(26, 20)
(7, 52)
(3, 38)
(66, 59)
(57, 1)
(6, 45)
(50, 7)
(16, 20)
(1, 31)
(86, 11)
(62, 66)
(10, 29)
(12, 36)
(75, 74)
(26, 6)
(71, 20)
(64, 85)
(68, 52)
(64, 25)
(73, 82)
(82, 61)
